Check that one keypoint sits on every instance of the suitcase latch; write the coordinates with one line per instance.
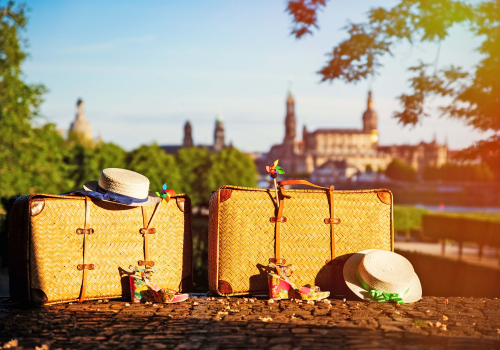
(85, 266)
(84, 231)
(281, 219)
(277, 261)
(144, 231)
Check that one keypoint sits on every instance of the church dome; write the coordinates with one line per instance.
(80, 125)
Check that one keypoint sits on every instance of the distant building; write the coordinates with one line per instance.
(419, 156)
(188, 136)
(353, 148)
(80, 127)
(219, 142)
(333, 170)
(217, 146)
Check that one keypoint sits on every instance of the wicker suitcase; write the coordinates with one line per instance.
(246, 229)
(69, 248)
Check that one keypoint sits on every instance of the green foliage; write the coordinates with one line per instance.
(194, 162)
(204, 172)
(407, 218)
(399, 170)
(231, 167)
(158, 166)
(87, 163)
(455, 172)
(369, 168)
(31, 158)
(34, 163)
(465, 227)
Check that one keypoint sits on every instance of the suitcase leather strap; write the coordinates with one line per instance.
(85, 231)
(279, 219)
(145, 231)
(329, 221)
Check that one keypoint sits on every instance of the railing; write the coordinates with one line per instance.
(480, 228)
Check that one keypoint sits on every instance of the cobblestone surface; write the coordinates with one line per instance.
(240, 323)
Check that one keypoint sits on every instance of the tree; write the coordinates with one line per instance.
(399, 170)
(231, 167)
(205, 172)
(31, 157)
(158, 166)
(475, 95)
(194, 162)
(87, 162)
(458, 172)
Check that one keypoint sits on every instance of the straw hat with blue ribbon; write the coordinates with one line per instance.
(121, 186)
(381, 276)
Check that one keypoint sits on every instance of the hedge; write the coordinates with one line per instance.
(483, 228)
(408, 218)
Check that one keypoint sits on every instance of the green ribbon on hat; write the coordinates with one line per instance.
(379, 296)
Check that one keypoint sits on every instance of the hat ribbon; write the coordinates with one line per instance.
(111, 196)
(379, 296)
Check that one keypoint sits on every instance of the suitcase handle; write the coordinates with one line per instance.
(329, 221)
(302, 182)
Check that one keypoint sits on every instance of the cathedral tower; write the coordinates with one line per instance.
(219, 142)
(370, 119)
(290, 122)
(80, 127)
(188, 138)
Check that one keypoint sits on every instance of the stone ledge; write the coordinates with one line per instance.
(221, 323)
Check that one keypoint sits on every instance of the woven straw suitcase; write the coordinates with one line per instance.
(69, 248)
(247, 229)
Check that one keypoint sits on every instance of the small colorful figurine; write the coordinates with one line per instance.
(143, 289)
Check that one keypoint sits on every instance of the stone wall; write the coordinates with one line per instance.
(445, 277)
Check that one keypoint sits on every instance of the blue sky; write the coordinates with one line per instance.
(144, 68)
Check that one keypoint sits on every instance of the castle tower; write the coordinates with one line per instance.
(370, 120)
(80, 127)
(290, 121)
(188, 138)
(290, 130)
(219, 142)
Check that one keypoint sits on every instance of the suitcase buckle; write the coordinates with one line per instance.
(277, 261)
(84, 231)
(281, 219)
(144, 231)
(81, 267)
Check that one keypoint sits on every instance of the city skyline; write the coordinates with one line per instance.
(143, 71)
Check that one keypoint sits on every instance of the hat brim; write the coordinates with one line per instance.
(152, 197)
(351, 266)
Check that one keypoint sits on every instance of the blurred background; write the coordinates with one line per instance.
(399, 94)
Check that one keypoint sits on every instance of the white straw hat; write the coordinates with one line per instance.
(123, 186)
(379, 275)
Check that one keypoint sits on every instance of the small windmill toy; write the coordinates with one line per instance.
(165, 194)
(274, 170)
